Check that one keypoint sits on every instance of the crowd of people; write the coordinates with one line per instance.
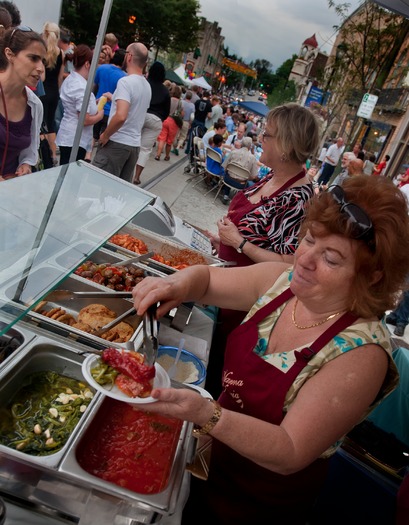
(320, 258)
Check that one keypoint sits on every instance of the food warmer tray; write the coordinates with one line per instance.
(12, 341)
(56, 485)
(55, 209)
(77, 283)
(163, 246)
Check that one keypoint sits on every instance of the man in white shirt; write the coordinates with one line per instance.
(217, 112)
(219, 127)
(332, 156)
(119, 144)
(234, 140)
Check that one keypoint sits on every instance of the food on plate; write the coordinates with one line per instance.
(126, 370)
(129, 242)
(119, 278)
(90, 319)
(43, 413)
(130, 448)
(96, 315)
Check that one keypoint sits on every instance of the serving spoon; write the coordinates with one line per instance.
(173, 368)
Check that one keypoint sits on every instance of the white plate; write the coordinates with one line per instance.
(161, 380)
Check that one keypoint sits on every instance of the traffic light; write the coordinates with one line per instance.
(261, 85)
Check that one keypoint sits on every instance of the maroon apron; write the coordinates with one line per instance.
(240, 492)
(241, 206)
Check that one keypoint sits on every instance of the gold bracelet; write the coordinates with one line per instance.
(208, 427)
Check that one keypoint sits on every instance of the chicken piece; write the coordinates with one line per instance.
(96, 315)
(84, 327)
(120, 333)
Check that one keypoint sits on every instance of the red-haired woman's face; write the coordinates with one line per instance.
(324, 269)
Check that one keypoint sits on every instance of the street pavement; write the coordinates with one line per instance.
(184, 196)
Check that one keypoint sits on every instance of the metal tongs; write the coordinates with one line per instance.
(150, 335)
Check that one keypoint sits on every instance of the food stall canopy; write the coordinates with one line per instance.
(255, 107)
(181, 73)
(174, 77)
(201, 82)
(398, 6)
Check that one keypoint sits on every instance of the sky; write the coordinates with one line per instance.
(272, 29)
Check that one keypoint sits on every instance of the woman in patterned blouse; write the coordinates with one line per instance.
(263, 221)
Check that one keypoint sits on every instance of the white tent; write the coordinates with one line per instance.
(180, 72)
(201, 82)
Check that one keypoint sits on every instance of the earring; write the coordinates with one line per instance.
(283, 157)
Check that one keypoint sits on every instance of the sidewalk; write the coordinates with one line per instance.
(167, 180)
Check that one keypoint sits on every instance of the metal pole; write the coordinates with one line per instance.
(90, 82)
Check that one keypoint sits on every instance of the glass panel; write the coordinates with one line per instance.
(53, 220)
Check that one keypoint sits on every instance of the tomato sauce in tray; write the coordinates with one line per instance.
(130, 448)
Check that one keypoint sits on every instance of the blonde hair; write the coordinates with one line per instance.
(51, 35)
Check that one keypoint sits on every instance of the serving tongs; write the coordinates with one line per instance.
(150, 335)
(114, 322)
(138, 258)
(68, 295)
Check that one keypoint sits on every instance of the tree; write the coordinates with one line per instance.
(169, 25)
(280, 89)
(367, 46)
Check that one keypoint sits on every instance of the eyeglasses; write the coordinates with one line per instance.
(266, 135)
(362, 227)
(24, 29)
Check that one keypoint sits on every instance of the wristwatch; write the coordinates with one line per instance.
(240, 248)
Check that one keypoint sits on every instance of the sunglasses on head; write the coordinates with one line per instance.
(362, 227)
(24, 29)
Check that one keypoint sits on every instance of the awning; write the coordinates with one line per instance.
(398, 6)
(201, 82)
(173, 77)
(255, 107)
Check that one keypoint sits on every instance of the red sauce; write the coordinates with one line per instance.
(130, 448)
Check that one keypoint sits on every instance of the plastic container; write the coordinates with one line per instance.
(190, 369)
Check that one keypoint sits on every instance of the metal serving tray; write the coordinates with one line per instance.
(104, 255)
(78, 284)
(163, 502)
(163, 246)
(41, 354)
(11, 342)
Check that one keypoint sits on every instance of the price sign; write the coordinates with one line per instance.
(367, 105)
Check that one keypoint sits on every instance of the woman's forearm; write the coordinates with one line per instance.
(257, 254)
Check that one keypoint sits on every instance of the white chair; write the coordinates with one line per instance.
(198, 164)
(216, 156)
(237, 172)
(210, 153)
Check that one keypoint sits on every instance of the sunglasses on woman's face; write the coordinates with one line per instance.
(362, 227)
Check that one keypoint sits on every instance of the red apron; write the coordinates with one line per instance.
(240, 492)
(241, 206)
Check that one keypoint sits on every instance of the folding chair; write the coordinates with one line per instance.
(237, 172)
(198, 164)
(216, 156)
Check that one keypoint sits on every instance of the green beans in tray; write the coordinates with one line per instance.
(43, 414)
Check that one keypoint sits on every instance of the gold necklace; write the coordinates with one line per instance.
(314, 324)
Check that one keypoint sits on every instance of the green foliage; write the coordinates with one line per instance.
(284, 92)
(370, 40)
(169, 25)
